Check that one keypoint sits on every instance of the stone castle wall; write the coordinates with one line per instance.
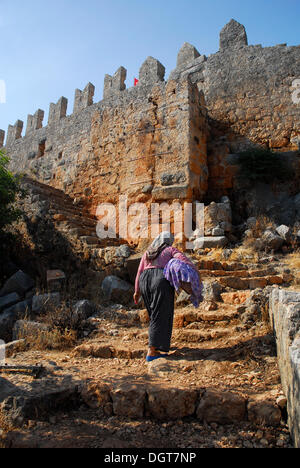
(166, 140)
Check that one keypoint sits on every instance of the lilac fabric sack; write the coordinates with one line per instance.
(177, 272)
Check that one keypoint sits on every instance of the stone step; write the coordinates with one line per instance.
(138, 401)
(250, 283)
(101, 351)
(214, 265)
(90, 240)
(238, 273)
(88, 221)
(198, 336)
(238, 297)
(182, 319)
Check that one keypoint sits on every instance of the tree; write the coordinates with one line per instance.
(10, 188)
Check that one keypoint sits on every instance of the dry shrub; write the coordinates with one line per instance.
(246, 253)
(6, 426)
(54, 339)
(59, 329)
(262, 224)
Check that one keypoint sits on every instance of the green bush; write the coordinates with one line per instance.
(262, 165)
(10, 188)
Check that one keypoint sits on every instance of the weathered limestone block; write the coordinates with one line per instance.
(26, 329)
(233, 34)
(284, 311)
(95, 350)
(261, 410)
(210, 242)
(187, 54)
(2, 138)
(20, 282)
(117, 290)
(14, 132)
(129, 401)
(55, 280)
(272, 241)
(221, 407)
(83, 98)
(171, 404)
(152, 71)
(45, 301)
(217, 215)
(58, 111)
(97, 395)
(8, 300)
(34, 122)
(114, 84)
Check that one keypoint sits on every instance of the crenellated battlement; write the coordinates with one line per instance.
(244, 90)
(233, 41)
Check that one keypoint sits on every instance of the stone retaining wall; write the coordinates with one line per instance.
(285, 319)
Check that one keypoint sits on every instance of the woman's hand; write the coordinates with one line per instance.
(136, 297)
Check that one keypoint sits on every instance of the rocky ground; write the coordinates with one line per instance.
(118, 400)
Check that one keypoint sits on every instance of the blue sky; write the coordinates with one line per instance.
(50, 48)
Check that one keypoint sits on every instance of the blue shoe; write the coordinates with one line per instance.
(152, 358)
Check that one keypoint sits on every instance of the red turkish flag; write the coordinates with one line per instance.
(135, 81)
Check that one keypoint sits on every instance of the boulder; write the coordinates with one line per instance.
(41, 303)
(123, 251)
(210, 242)
(129, 401)
(212, 290)
(272, 241)
(21, 309)
(183, 299)
(217, 231)
(19, 283)
(8, 300)
(7, 321)
(261, 410)
(117, 290)
(25, 328)
(217, 215)
(284, 232)
(221, 407)
(170, 403)
(83, 310)
(55, 280)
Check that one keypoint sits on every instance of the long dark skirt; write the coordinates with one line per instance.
(158, 296)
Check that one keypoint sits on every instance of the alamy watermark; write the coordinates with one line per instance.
(296, 92)
(2, 353)
(141, 221)
(2, 92)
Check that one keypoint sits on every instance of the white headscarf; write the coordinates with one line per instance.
(163, 240)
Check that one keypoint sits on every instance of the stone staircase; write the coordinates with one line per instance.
(69, 217)
(241, 276)
(220, 373)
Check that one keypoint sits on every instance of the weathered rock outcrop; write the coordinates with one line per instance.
(285, 318)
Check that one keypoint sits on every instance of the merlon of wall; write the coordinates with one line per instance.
(83, 98)
(57, 111)
(14, 132)
(233, 35)
(114, 84)
(188, 53)
(34, 122)
(152, 71)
